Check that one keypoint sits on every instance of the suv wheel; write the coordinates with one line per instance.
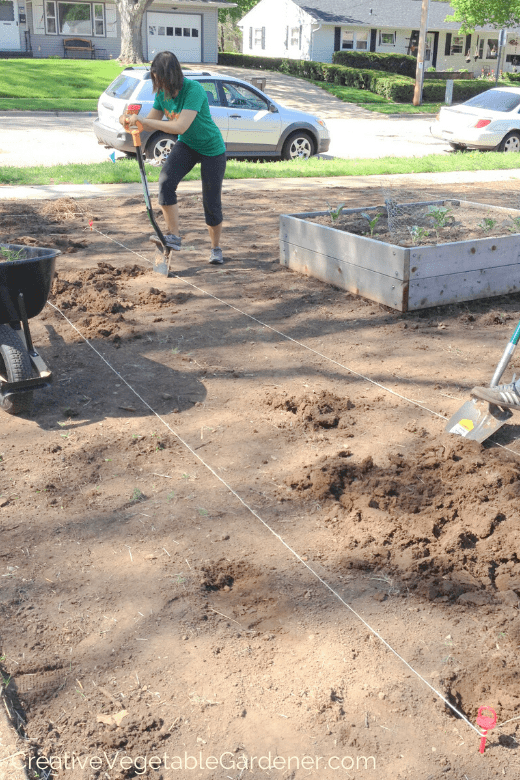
(297, 145)
(159, 147)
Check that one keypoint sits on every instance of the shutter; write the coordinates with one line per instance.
(111, 21)
(286, 37)
(337, 38)
(250, 37)
(447, 45)
(373, 40)
(38, 18)
(467, 49)
(300, 38)
(263, 37)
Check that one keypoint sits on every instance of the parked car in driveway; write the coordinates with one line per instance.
(489, 121)
(252, 124)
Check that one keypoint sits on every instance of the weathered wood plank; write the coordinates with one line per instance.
(357, 250)
(348, 276)
(482, 253)
(466, 286)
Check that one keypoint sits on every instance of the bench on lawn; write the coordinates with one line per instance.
(79, 45)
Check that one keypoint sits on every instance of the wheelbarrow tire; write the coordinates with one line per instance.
(15, 364)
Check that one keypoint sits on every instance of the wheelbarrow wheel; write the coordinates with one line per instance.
(15, 365)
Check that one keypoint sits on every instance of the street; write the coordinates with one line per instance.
(29, 138)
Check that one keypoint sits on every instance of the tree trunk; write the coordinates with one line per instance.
(131, 38)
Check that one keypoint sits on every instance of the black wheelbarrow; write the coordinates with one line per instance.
(26, 275)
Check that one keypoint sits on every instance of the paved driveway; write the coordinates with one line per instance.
(46, 139)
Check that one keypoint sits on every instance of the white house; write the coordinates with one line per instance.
(315, 29)
(37, 28)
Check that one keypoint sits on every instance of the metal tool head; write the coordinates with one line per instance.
(477, 420)
(161, 260)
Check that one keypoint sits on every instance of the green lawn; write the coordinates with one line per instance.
(75, 85)
(373, 102)
(126, 170)
(38, 84)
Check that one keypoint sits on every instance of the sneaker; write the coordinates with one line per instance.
(171, 241)
(502, 395)
(216, 257)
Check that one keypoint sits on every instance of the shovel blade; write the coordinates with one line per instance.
(161, 262)
(477, 420)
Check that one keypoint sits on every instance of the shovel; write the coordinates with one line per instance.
(161, 262)
(476, 419)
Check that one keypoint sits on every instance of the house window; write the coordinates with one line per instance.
(428, 47)
(258, 36)
(74, 18)
(481, 49)
(354, 40)
(186, 32)
(178, 31)
(348, 40)
(492, 49)
(99, 20)
(386, 38)
(194, 32)
(50, 18)
(457, 44)
(362, 40)
(295, 37)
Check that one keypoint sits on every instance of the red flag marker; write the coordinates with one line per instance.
(486, 719)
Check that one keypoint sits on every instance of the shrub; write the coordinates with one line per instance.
(402, 64)
(514, 77)
(249, 61)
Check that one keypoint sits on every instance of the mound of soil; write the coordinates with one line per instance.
(444, 517)
(314, 411)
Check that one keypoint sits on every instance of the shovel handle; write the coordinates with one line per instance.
(506, 357)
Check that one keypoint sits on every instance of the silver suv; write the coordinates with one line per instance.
(251, 123)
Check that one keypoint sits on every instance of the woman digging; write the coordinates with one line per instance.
(185, 104)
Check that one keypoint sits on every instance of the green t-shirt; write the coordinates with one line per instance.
(203, 134)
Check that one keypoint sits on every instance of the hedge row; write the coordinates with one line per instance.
(402, 64)
(514, 77)
(394, 87)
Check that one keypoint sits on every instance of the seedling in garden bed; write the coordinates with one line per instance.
(371, 222)
(487, 224)
(418, 233)
(137, 495)
(334, 213)
(439, 215)
(516, 223)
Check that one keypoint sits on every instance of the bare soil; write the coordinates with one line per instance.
(419, 224)
(233, 493)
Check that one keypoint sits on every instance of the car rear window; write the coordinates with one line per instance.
(495, 100)
(122, 87)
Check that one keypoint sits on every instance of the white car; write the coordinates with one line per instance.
(489, 121)
(252, 124)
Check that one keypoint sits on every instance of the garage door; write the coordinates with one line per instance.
(179, 33)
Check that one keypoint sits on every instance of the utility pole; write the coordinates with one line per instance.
(419, 73)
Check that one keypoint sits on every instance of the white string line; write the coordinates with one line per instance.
(279, 333)
(299, 343)
(266, 525)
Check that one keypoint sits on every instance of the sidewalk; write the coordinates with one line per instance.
(54, 191)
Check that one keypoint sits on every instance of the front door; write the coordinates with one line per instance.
(9, 33)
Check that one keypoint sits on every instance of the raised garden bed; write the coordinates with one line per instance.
(420, 263)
